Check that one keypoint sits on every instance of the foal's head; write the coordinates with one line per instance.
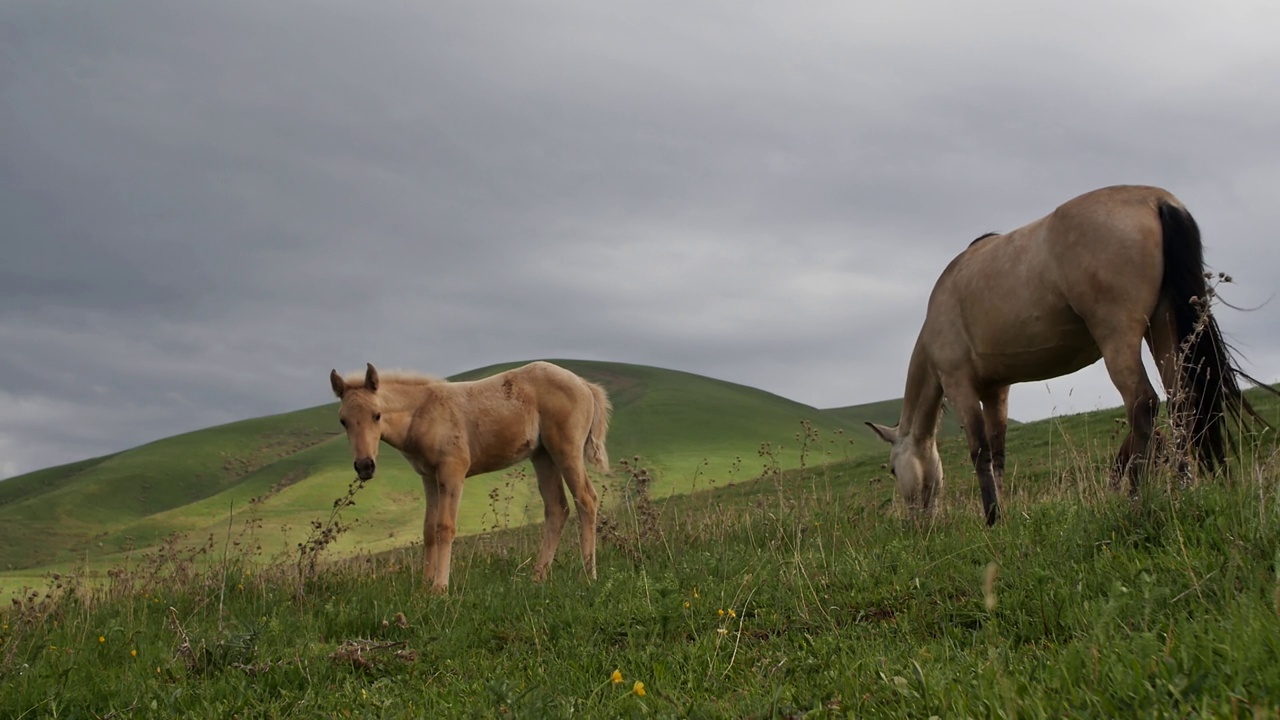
(915, 465)
(361, 415)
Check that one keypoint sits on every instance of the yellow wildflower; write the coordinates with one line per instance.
(133, 652)
(616, 677)
(720, 612)
(723, 631)
(732, 614)
(638, 689)
(102, 639)
(686, 604)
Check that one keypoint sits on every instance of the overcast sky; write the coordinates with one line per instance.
(205, 206)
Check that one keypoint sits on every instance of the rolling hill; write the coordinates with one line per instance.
(270, 477)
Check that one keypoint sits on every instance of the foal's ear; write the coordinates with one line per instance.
(339, 385)
(887, 434)
(370, 378)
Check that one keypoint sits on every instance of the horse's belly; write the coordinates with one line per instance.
(1029, 355)
(1038, 364)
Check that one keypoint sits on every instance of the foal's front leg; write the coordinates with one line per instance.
(449, 480)
(429, 524)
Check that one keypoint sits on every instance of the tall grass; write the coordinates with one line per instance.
(799, 594)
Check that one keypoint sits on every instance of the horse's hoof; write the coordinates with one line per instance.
(439, 589)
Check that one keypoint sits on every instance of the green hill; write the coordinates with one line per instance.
(804, 595)
(274, 475)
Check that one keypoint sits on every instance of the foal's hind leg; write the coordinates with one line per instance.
(574, 470)
(555, 510)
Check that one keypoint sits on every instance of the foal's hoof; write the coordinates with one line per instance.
(439, 590)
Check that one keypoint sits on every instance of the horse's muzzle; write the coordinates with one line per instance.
(365, 468)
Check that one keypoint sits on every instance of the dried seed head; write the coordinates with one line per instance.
(989, 585)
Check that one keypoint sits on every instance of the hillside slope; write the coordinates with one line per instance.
(283, 471)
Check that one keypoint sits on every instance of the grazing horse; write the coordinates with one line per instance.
(1090, 280)
(449, 431)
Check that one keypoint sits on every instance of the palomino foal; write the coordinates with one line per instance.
(449, 431)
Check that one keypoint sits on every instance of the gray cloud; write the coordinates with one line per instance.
(208, 205)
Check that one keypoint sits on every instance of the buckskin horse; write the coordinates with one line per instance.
(1091, 280)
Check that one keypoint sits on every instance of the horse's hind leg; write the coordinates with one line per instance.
(1162, 337)
(555, 510)
(1123, 357)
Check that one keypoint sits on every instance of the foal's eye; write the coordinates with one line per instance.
(377, 417)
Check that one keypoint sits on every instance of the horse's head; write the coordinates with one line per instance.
(915, 464)
(361, 415)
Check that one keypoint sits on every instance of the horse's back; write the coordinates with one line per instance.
(1019, 306)
(1106, 249)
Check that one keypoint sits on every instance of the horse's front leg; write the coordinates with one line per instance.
(965, 402)
(449, 478)
(995, 415)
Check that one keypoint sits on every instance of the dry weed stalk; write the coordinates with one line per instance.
(323, 534)
(370, 654)
(644, 512)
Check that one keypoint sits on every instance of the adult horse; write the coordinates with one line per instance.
(449, 431)
(1090, 280)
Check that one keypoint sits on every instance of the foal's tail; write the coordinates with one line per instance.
(595, 451)
(1208, 393)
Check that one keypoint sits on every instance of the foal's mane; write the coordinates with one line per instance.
(397, 377)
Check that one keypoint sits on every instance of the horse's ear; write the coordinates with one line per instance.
(339, 385)
(370, 378)
(887, 434)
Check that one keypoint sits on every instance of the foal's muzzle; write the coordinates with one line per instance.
(364, 468)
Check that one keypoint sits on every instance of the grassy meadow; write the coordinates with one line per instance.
(286, 470)
(803, 593)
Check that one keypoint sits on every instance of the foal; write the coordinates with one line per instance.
(450, 431)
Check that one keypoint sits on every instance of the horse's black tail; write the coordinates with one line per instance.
(1208, 396)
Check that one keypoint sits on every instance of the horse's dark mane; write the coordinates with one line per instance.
(982, 237)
